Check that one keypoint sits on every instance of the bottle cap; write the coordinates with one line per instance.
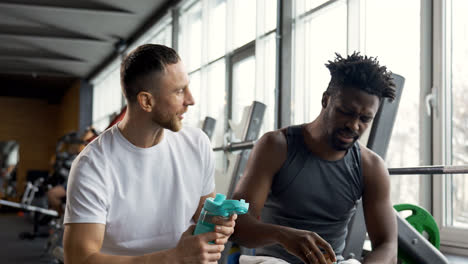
(222, 207)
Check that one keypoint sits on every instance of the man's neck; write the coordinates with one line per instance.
(318, 142)
(140, 131)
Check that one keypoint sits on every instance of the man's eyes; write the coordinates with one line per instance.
(345, 112)
(364, 119)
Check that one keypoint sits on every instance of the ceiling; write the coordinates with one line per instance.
(45, 45)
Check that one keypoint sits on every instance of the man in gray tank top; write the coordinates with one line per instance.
(303, 182)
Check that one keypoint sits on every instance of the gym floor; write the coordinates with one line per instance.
(13, 250)
(17, 251)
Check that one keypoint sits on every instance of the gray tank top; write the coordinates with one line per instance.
(313, 194)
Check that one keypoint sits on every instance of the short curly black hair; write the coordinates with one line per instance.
(361, 72)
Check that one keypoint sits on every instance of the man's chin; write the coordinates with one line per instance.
(342, 146)
(175, 126)
(175, 129)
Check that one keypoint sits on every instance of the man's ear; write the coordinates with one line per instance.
(325, 99)
(145, 101)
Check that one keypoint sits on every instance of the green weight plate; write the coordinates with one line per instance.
(422, 221)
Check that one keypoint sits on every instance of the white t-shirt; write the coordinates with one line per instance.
(146, 197)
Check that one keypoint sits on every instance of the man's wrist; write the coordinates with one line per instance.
(280, 234)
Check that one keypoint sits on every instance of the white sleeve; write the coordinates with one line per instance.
(86, 193)
(208, 166)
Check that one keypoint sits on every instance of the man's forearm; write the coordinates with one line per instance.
(384, 253)
(165, 256)
(252, 233)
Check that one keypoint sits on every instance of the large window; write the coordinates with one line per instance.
(458, 192)
(190, 36)
(107, 96)
(320, 31)
(229, 48)
(265, 50)
(243, 84)
(243, 13)
(450, 126)
(202, 46)
(395, 40)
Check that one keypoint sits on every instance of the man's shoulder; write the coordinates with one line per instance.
(368, 156)
(373, 166)
(275, 137)
(279, 137)
(190, 138)
(272, 143)
(98, 147)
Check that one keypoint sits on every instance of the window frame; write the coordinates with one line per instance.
(453, 239)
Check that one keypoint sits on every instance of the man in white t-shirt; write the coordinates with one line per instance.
(136, 188)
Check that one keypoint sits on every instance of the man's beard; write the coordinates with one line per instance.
(339, 145)
(167, 121)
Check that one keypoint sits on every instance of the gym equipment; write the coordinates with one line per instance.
(37, 186)
(436, 169)
(410, 241)
(218, 206)
(208, 127)
(250, 133)
(62, 167)
(422, 221)
(30, 208)
(415, 248)
(54, 242)
(9, 156)
(38, 218)
(9, 185)
(64, 159)
(236, 146)
(413, 244)
(59, 254)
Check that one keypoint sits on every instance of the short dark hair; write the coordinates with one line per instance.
(361, 72)
(142, 61)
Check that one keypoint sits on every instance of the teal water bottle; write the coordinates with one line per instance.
(218, 206)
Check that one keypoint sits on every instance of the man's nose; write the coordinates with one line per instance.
(353, 124)
(189, 98)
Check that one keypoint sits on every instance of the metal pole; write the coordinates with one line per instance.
(236, 146)
(29, 208)
(437, 169)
